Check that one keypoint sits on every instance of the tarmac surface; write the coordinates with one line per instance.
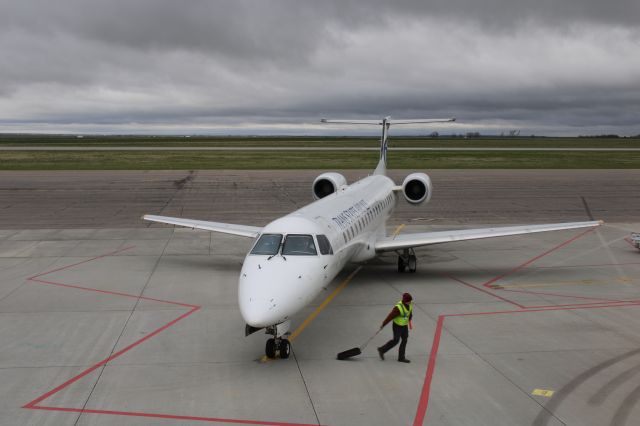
(104, 321)
(118, 199)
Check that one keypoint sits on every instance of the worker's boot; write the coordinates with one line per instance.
(381, 353)
(404, 360)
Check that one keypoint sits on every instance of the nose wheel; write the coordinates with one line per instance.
(277, 346)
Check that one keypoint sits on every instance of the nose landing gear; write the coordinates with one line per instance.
(278, 345)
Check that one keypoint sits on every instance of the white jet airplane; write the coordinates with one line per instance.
(296, 256)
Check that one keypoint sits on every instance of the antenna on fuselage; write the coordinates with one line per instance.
(384, 139)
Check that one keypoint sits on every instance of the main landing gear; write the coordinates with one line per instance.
(277, 345)
(407, 260)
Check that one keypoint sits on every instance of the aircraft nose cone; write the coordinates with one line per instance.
(271, 291)
(259, 313)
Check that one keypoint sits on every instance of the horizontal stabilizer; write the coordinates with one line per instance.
(390, 121)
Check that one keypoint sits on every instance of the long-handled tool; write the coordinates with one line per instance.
(356, 351)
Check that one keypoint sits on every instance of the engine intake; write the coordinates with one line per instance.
(327, 184)
(417, 188)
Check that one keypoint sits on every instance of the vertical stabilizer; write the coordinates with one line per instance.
(381, 168)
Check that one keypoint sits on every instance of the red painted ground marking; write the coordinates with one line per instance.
(33, 405)
(111, 253)
(545, 309)
(423, 402)
(544, 293)
(612, 303)
(480, 289)
(171, 416)
(114, 293)
(530, 261)
(596, 265)
(424, 397)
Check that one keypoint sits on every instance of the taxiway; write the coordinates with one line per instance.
(113, 324)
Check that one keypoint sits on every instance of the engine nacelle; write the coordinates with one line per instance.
(417, 188)
(327, 184)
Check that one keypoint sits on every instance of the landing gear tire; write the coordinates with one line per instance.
(285, 349)
(413, 263)
(277, 346)
(407, 260)
(270, 348)
(402, 266)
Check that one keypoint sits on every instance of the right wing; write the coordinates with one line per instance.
(225, 228)
(404, 241)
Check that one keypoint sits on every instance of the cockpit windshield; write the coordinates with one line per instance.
(299, 245)
(268, 244)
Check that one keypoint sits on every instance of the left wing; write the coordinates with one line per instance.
(405, 241)
(225, 228)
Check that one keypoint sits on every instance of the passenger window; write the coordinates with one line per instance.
(267, 244)
(299, 245)
(324, 245)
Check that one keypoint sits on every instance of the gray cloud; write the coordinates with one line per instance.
(548, 66)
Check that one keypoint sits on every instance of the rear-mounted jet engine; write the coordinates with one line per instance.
(417, 188)
(327, 184)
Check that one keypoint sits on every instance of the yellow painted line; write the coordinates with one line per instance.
(326, 301)
(319, 309)
(329, 298)
(543, 392)
(398, 229)
(621, 280)
(323, 305)
(625, 280)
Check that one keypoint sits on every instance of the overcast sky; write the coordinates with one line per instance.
(565, 67)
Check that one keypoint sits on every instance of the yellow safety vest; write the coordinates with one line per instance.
(403, 318)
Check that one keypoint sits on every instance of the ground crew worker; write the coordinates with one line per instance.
(401, 314)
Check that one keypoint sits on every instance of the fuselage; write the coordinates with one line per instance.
(297, 255)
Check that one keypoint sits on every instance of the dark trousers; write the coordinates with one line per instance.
(399, 332)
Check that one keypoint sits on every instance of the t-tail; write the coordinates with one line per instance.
(381, 168)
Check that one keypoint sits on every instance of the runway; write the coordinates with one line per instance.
(304, 148)
(114, 199)
(120, 324)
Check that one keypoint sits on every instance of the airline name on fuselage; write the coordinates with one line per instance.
(348, 216)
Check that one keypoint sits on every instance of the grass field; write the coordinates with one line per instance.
(191, 160)
(299, 141)
(418, 160)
